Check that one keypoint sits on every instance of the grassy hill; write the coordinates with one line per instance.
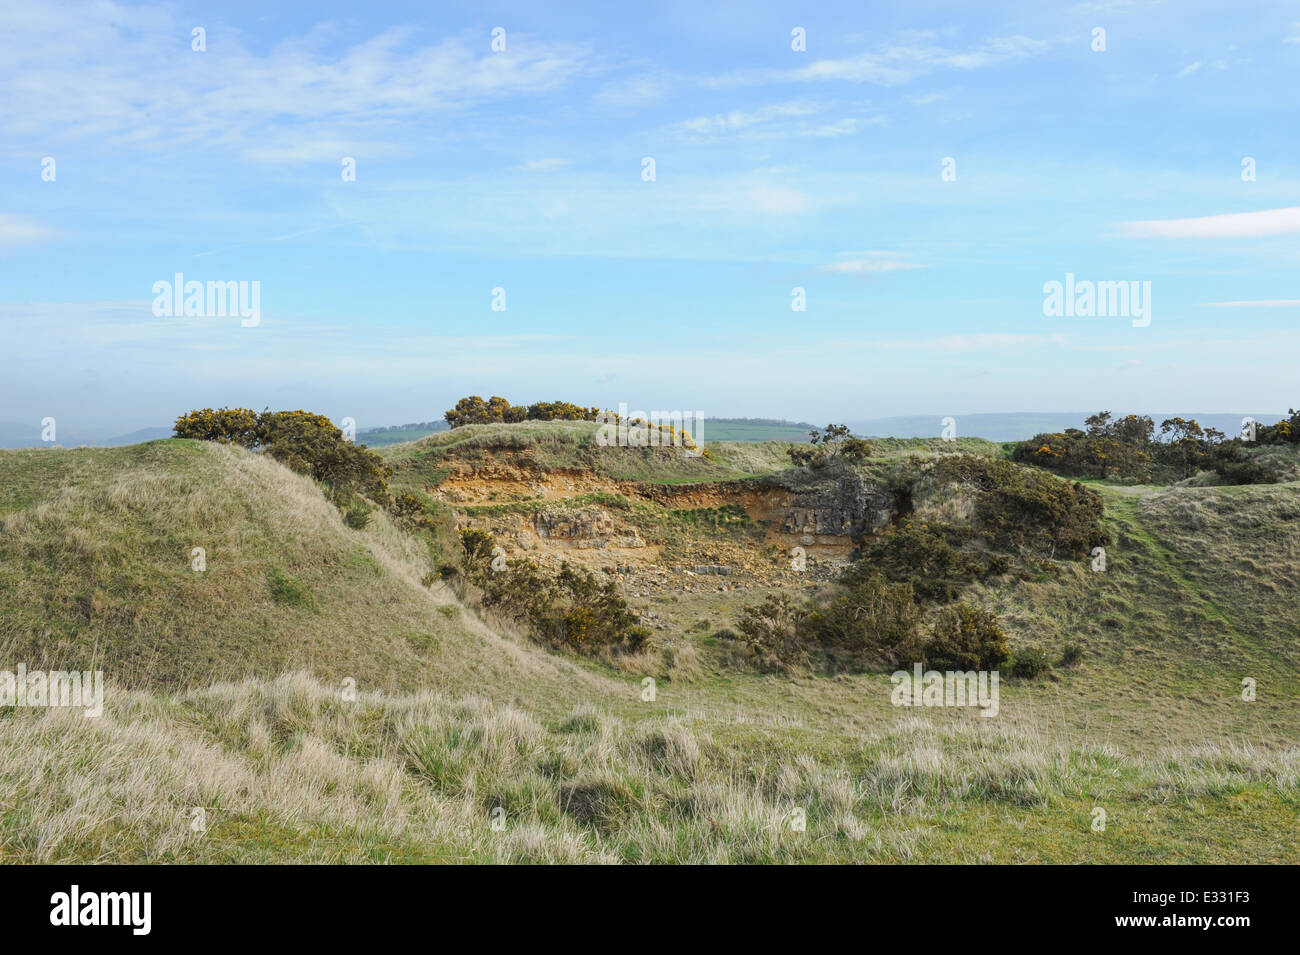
(96, 573)
(225, 689)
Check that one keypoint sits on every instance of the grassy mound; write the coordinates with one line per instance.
(98, 571)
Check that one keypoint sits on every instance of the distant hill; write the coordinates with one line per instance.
(1018, 426)
(16, 435)
(755, 429)
(397, 433)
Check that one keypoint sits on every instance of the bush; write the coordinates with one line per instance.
(966, 638)
(1024, 507)
(923, 556)
(1029, 664)
(227, 425)
(836, 441)
(570, 609)
(474, 410)
(871, 623)
(357, 515)
(772, 630)
(1234, 465)
(1072, 655)
(1128, 448)
(286, 589)
(477, 544)
(305, 442)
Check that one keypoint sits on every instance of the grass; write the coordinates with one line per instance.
(571, 445)
(291, 771)
(226, 692)
(96, 571)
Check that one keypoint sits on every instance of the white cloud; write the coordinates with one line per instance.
(873, 261)
(1189, 69)
(1258, 303)
(847, 126)
(1234, 225)
(738, 119)
(545, 165)
(899, 64)
(16, 231)
(778, 200)
(137, 81)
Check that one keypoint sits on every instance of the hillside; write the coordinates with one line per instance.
(225, 683)
(96, 572)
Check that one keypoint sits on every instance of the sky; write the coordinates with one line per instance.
(921, 171)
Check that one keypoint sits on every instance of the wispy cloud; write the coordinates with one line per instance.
(741, 119)
(1258, 303)
(1189, 69)
(547, 164)
(16, 231)
(898, 64)
(1232, 225)
(872, 261)
(126, 89)
(847, 126)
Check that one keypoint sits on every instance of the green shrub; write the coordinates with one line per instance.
(568, 609)
(924, 557)
(772, 630)
(966, 638)
(836, 441)
(357, 515)
(1072, 655)
(478, 545)
(1024, 507)
(286, 589)
(872, 623)
(1028, 664)
(305, 442)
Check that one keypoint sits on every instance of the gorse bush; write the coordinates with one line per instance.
(1129, 448)
(307, 443)
(1025, 508)
(966, 638)
(926, 557)
(1028, 664)
(474, 410)
(357, 515)
(570, 608)
(477, 545)
(872, 623)
(773, 631)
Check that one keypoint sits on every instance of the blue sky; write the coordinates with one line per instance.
(522, 169)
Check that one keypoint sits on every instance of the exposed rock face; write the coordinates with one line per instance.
(839, 504)
(584, 527)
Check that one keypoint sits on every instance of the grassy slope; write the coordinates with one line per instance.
(94, 554)
(95, 569)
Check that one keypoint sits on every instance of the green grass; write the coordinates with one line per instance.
(457, 716)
